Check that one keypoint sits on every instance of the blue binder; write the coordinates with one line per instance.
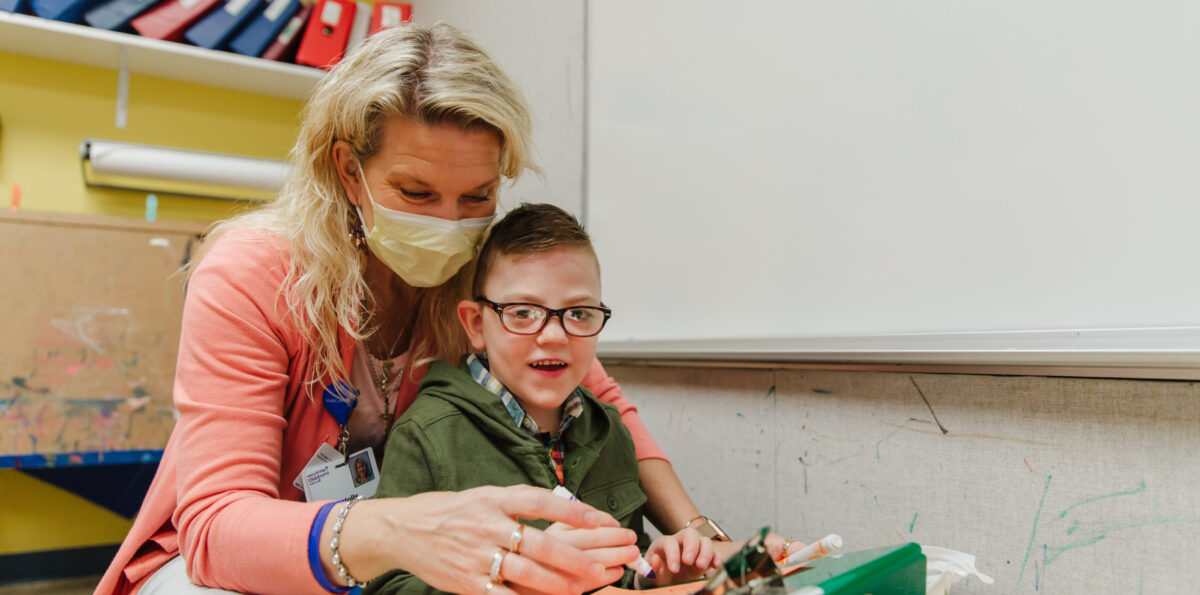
(13, 5)
(68, 11)
(216, 29)
(254, 39)
(116, 14)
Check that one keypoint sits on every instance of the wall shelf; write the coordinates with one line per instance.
(78, 44)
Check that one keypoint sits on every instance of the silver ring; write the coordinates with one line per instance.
(488, 587)
(514, 540)
(497, 560)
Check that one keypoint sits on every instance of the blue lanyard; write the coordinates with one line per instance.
(339, 400)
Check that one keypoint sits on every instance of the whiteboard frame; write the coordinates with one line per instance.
(1157, 353)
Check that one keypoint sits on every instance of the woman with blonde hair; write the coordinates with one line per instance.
(309, 322)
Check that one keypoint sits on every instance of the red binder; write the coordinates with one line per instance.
(389, 14)
(283, 48)
(169, 20)
(327, 33)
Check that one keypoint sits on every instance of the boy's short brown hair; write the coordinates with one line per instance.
(532, 228)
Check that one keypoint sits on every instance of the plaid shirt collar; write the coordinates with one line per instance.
(572, 407)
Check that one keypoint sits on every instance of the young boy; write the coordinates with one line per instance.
(514, 413)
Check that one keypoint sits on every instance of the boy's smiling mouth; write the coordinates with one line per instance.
(549, 365)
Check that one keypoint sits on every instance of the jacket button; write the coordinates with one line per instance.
(612, 503)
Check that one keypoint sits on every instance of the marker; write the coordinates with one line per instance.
(640, 566)
(827, 545)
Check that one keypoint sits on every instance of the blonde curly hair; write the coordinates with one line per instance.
(432, 75)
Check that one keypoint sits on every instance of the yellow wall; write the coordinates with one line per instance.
(46, 109)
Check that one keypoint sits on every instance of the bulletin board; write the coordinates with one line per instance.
(93, 308)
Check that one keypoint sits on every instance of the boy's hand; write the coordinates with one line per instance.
(681, 557)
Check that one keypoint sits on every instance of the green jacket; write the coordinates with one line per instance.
(457, 435)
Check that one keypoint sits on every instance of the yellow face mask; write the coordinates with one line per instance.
(424, 251)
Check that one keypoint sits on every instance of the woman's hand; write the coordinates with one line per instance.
(612, 547)
(774, 543)
(681, 557)
(450, 539)
(778, 546)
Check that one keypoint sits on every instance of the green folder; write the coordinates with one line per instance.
(890, 570)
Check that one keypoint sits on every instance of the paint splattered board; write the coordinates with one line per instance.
(91, 329)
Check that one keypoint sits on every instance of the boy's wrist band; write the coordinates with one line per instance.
(314, 550)
(335, 541)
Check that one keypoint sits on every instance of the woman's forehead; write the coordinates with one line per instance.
(433, 146)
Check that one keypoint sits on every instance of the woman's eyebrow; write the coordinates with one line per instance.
(486, 185)
(415, 180)
(408, 178)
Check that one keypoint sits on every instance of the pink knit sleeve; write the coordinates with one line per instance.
(234, 530)
(605, 388)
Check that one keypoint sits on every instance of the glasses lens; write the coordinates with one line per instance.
(583, 321)
(523, 318)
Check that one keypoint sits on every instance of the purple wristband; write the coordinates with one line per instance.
(314, 550)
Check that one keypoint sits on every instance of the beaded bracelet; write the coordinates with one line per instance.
(314, 550)
(334, 542)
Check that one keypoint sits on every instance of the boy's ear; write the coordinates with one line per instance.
(470, 315)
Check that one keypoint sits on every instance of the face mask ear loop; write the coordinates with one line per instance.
(367, 191)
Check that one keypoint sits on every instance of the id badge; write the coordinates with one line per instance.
(325, 454)
(338, 479)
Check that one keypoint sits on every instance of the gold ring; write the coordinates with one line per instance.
(497, 561)
(514, 540)
(787, 542)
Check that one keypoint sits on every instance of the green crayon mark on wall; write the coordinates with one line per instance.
(1033, 533)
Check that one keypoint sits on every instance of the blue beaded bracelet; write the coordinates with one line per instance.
(314, 550)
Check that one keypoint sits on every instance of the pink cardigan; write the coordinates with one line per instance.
(223, 494)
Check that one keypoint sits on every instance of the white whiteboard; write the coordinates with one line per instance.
(844, 167)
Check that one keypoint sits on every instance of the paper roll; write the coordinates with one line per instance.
(144, 167)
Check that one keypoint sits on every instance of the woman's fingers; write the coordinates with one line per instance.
(774, 544)
(528, 502)
(500, 589)
(586, 539)
(614, 557)
(526, 574)
(522, 571)
(552, 553)
(610, 576)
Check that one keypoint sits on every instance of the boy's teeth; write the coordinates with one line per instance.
(548, 364)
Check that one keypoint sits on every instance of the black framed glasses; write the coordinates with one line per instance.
(521, 318)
